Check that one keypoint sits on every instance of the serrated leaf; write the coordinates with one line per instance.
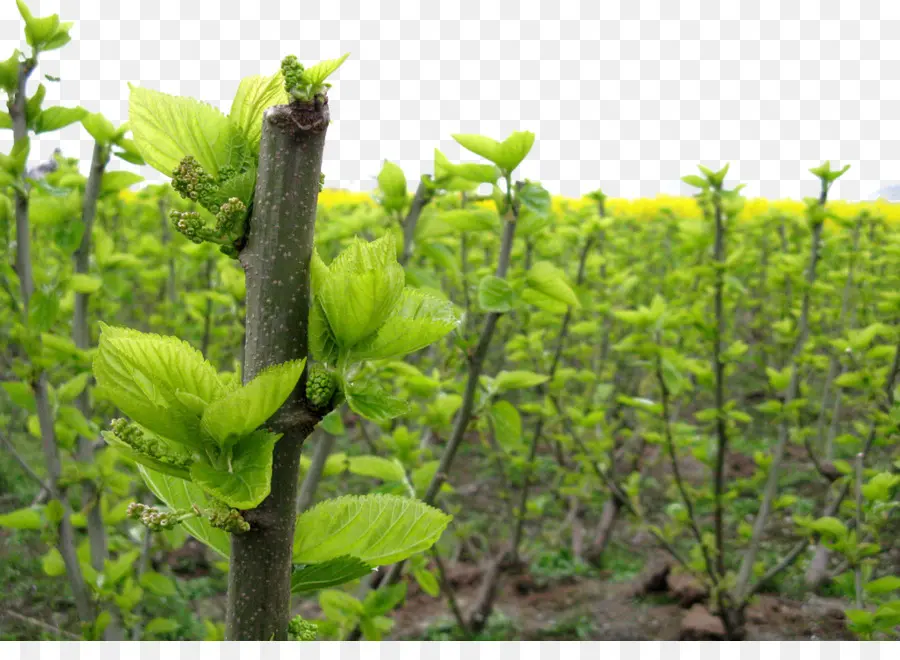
(378, 529)
(180, 494)
(332, 573)
(167, 128)
(243, 410)
(318, 73)
(359, 289)
(141, 373)
(372, 402)
(416, 321)
(249, 477)
(254, 95)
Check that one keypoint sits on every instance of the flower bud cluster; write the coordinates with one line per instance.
(135, 438)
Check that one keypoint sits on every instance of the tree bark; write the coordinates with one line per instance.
(276, 262)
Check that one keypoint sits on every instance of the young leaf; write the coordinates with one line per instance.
(318, 73)
(359, 289)
(485, 147)
(22, 519)
(254, 95)
(372, 402)
(331, 573)
(378, 529)
(386, 469)
(507, 424)
(249, 477)
(495, 294)
(141, 373)
(392, 183)
(180, 494)
(100, 128)
(57, 117)
(549, 280)
(514, 149)
(518, 380)
(417, 320)
(167, 128)
(243, 410)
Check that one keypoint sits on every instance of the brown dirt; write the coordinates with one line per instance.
(605, 610)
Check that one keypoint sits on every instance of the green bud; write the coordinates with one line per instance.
(223, 517)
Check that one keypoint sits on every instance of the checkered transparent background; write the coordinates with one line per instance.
(627, 95)
(449, 651)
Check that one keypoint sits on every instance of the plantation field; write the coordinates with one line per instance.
(239, 405)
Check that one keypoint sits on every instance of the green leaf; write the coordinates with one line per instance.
(243, 410)
(158, 584)
(332, 573)
(386, 469)
(392, 183)
(883, 585)
(29, 518)
(378, 529)
(495, 294)
(167, 128)
(322, 342)
(43, 311)
(507, 424)
(368, 399)
(465, 220)
(180, 494)
(100, 128)
(550, 280)
(514, 149)
(21, 394)
(383, 600)
(161, 626)
(518, 380)
(485, 147)
(254, 95)
(82, 283)
(318, 73)
(141, 373)
(340, 606)
(249, 477)
(113, 182)
(829, 526)
(57, 117)
(52, 563)
(428, 582)
(417, 320)
(332, 423)
(359, 289)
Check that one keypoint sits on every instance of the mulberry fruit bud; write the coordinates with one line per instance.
(153, 518)
(230, 219)
(192, 182)
(190, 224)
(226, 518)
(292, 70)
(302, 630)
(320, 386)
(134, 437)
